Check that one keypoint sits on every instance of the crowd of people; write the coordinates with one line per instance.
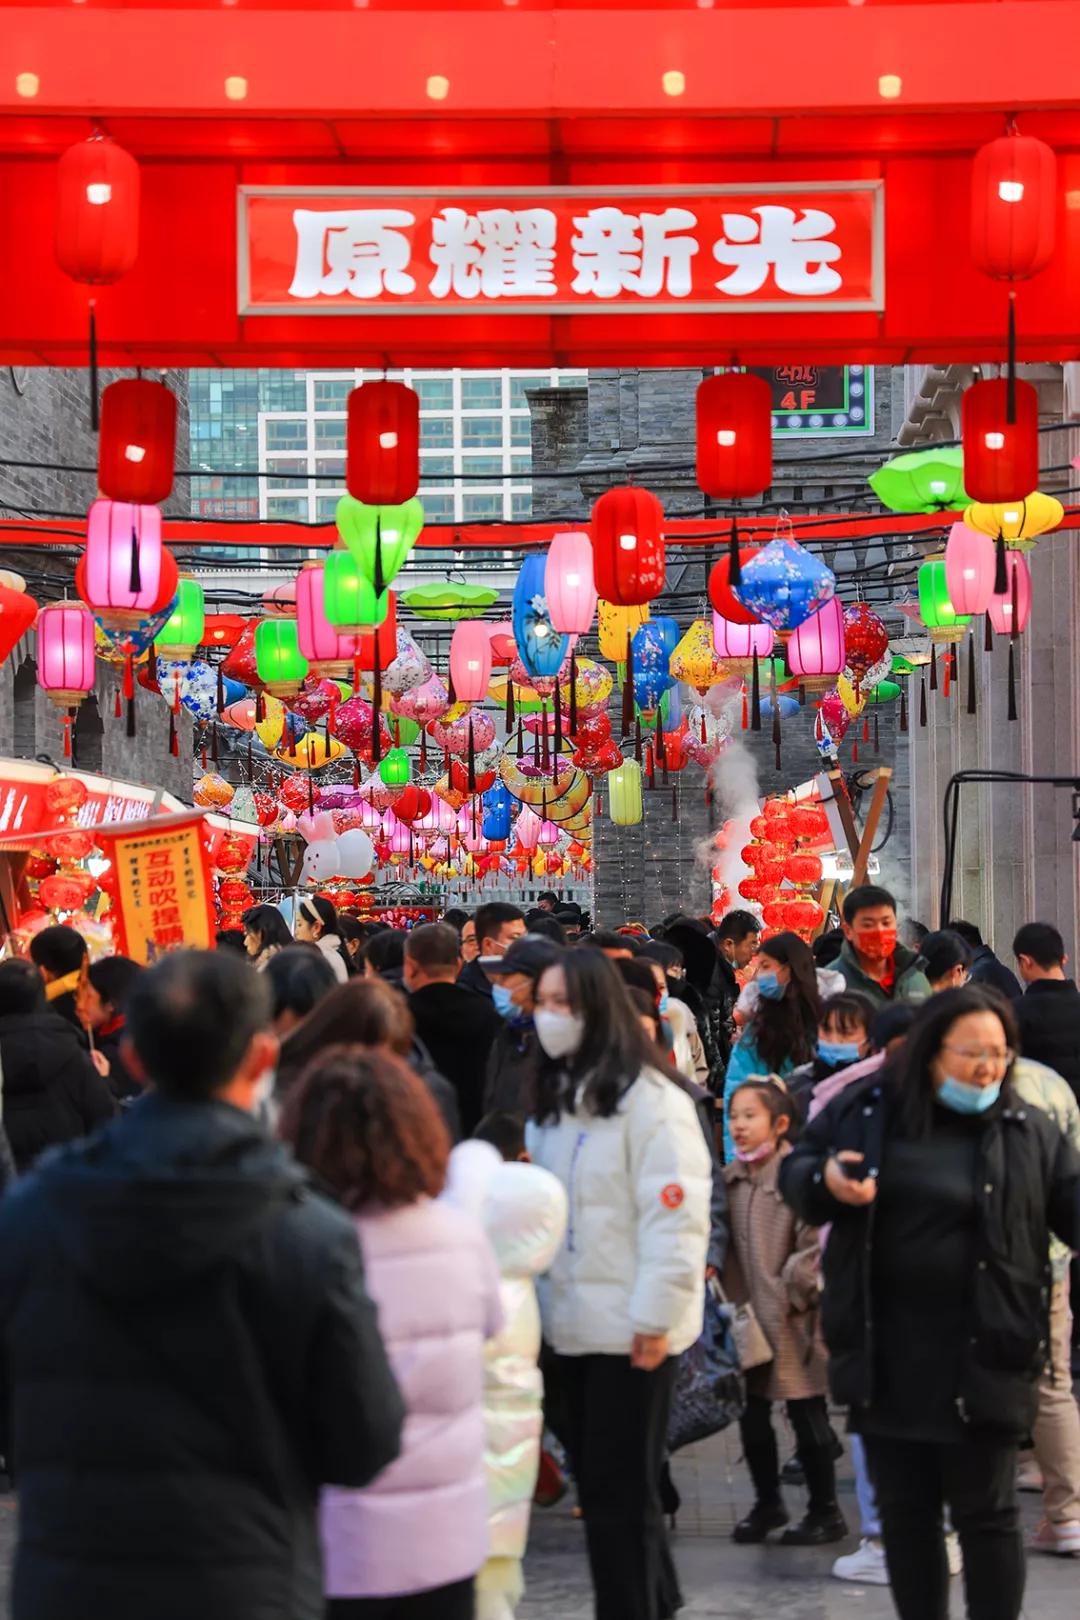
(349, 1233)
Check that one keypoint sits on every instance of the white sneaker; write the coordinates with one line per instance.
(953, 1553)
(866, 1565)
(1058, 1538)
(1029, 1477)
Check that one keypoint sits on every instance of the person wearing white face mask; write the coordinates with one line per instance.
(625, 1294)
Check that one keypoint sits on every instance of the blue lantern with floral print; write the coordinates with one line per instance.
(784, 583)
(540, 647)
(651, 650)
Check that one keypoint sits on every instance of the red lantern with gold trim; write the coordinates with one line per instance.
(382, 444)
(628, 546)
(1001, 455)
(137, 447)
(1013, 209)
(734, 435)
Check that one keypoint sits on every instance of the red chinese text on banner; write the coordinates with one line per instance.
(746, 248)
(163, 895)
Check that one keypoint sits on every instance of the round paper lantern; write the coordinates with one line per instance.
(541, 649)
(969, 569)
(182, 632)
(1001, 458)
(310, 752)
(65, 796)
(736, 644)
(866, 639)
(615, 624)
(281, 665)
(349, 599)
(66, 891)
(734, 435)
(652, 649)
(723, 600)
(137, 441)
(496, 820)
(123, 557)
(935, 608)
(97, 211)
(17, 614)
(625, 804)
(784, 584)
(379, 537)
(816, 652)
(568, 583)
(423, 704)
(1000, 608)
(470, 660)
(1013, 207)
(382, 443)
(628, 546)
(328, 650)
(65, 652)
(695, 659)
(395, 769)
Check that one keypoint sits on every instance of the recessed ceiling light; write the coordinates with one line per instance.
(27, 84)
(674, 82)
(236, 87)
(889, 86)
(438, 87)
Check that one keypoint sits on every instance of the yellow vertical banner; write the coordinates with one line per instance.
(162, 885)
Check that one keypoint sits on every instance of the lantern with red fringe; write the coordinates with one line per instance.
(137, 446)
(734, 435)
(628, 546)
(382, 443)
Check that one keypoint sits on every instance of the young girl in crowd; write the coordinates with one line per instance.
(843, 1039)
(783, 1029)
(773, 1265)
(408, 1546)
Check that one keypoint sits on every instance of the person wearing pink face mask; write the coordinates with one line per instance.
(871, 959)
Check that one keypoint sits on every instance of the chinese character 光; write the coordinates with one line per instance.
(499, 252)
(616, 252)
(362, 251)
(796, 249)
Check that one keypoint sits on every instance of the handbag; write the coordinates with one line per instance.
(751, 1345)
(708, 1394)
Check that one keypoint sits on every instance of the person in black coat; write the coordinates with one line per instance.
(111, 981)
(986, 968)
(1049, 1010)
(942, 1189)
(60, 955)
(455, 1024)
(52, 1092)
(515, 1055)
(192, 1350)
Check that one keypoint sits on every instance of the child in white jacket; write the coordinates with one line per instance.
(523, 1211)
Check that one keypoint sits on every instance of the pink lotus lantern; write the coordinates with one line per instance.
(123, 557)
(548, 836)
(568, 584)
(470, 660)
(1000, 608)
(970, 566)
(527, 828)
(736, 644)
(327, 649)
(816, 651)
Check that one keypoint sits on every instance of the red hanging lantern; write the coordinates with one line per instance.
(723, 599)
(803, 867)
(628, 546)
(137, 447)
(97, 211)
(17, 614)
(734, 435)
(1001, 444)
(382, 444)
(1013, 210)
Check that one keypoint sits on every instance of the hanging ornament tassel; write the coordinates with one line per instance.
(903, 707)
(118, 708)
(509, 706)
(704, 729)
(135, 573)
(450, 693)
(311, 794)
(650, 764)
(866, 728)
(855, 753)
(260, 707)
(326, 736)
(1013, 711)
(66, 724)
(558, 726)
(536, 750)
(520, 741)
(1014, 636)
(572, 704)
(877, 736)
(129, 693)
(472, 757)
(971, 680)
(379, 582)
(376, 682)
(1001, 573)
(355, 774)
(745, 709)
(95, 419)
(948, 661)
(545, 739)
(933, 669)
(628, 689)
(988, 634)
(423, 748)
(220, 691)
(922, 700)
(1010, 386)
(776, 733)
(755, 696)
(203, 757)
(734, 562)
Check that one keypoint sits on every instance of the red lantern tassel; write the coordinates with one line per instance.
(129, 693)
(203, 758)
(66, 724)
(118, 709)
(903, 707)
(628, 688)
(545, 739)
(755, 696)
(1013, 711)
(311, 793)
(356, 773)
(745, 710)
(356, 670)
(854, 753)
(704, 732)
(650, 765)
(866, 728)
(971, 680)
(260, 707)
(922, 700)
(174, 743)
(151, 669)
(558, 721)
(947, 660)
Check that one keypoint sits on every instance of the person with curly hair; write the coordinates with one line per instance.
(408, 1545)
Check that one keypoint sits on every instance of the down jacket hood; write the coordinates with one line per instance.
(521, 1207)
(164, 1193)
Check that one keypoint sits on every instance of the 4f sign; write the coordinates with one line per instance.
(746, 249)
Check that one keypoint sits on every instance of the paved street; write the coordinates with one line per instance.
(748, 1583)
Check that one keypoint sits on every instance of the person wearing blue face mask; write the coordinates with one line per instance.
(782, 1031)
(515, 1053)
(843, 1039)
(942, 1186)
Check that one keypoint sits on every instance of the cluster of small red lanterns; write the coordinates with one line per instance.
(779, 853)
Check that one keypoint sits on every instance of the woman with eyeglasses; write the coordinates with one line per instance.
(942, 1188)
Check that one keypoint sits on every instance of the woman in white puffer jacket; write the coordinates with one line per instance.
(523, 1211)
(625, 1294)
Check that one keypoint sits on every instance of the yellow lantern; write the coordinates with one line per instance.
(593, 684)
(854, 701)
(615, 624)
(1018, 522)
(694, 659)
(311, 752)
(625, 804)
(270, 728)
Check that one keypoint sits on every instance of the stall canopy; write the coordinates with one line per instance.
(535, 183)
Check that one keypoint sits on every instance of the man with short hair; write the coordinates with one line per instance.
(60, 955)
(986, 967)
(192, 1353)
(455, 1024)
(871, 958)
(737, 937)
(515, 1051)
(547, 901)
(1049, 1010)
(497, 926)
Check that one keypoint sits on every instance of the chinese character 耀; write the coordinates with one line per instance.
(497, 252)
(361, 251)
(614, 252)
(795, 249)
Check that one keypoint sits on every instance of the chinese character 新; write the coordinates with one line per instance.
(616, 252)
(499, 252)
(795, 249)
(362, 251)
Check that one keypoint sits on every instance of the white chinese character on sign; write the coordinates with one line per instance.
(499, 252)
(616, 252)
(795, 248)
(362, 251)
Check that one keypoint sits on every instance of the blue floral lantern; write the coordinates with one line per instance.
(540, 647)
(651, 650)
(496, 802)
(784, 584)
(787, 705)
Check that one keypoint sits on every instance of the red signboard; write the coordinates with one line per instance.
(746, 248)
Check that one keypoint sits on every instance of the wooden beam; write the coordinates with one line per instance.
(870, 826)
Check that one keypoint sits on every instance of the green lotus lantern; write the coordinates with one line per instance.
(349, 599)
(450, 600)
(379, 537)
(883, 692)
(183, 630)
(922, 481)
